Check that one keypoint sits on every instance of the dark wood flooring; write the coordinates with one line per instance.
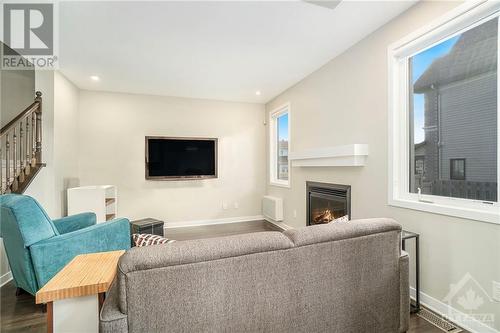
(218, 230)
(21, 314)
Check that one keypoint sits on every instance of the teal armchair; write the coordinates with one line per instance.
(38, 247)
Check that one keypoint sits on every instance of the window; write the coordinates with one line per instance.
(457, 169)
(443, 100)
(279, 146)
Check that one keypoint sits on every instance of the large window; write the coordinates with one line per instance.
(444, 113)
(279, 146)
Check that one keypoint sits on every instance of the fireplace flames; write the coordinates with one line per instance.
(325, 216)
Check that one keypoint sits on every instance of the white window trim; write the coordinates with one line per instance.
(464, 16)
(273, 147)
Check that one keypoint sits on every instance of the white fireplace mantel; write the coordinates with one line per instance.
(347, 155)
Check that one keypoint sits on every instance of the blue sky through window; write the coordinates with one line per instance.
(420, 63)
(283, 127)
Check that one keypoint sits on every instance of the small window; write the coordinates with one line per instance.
(457, 169)
(279, 146)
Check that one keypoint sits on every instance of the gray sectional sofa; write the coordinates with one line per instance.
(343, 277)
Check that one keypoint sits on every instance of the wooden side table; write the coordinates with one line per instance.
(74, 296)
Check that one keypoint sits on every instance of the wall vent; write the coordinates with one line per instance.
(272, 208)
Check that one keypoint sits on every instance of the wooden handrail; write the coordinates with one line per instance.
(30, 109)
(22, 140)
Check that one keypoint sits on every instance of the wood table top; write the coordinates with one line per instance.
(86, 274)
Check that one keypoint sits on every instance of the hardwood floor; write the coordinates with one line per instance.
(21, 314)
(218, 230)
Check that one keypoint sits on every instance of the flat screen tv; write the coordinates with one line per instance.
(180, 158)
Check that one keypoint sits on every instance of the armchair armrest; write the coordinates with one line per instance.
(75, 222)
(404, 290)
(51, 255)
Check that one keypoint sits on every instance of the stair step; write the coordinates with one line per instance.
(22, 186)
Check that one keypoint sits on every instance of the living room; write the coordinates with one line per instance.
(309, 115)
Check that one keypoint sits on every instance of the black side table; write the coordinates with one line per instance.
(408, 235)
(147, 226)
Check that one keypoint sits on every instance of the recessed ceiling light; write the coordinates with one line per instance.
(94, 78)
(257, 93)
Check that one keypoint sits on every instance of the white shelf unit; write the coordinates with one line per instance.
(101, 200)
(347, 155)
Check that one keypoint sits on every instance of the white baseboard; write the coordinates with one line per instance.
(5, 278)
(470, 324)
(280, 225)
(180, 224)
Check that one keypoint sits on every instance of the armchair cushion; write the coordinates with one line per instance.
(75, 222)
(51, 255)
(31, 220)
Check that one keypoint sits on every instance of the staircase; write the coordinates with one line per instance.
(21, 148)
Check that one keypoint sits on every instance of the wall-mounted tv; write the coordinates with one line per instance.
(180, 158)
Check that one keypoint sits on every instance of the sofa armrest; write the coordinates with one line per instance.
(404, 290)
(75, 222)
(51, 255)
(111, 319)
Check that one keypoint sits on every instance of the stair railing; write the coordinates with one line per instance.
(21, 148)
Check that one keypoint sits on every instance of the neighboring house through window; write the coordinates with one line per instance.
(443, 98)
(279, 146)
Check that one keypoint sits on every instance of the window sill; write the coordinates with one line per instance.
(489, 214)
(280, 184)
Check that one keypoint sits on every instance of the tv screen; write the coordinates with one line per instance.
(180, 158)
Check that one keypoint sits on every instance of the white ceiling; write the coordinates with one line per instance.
(214, 50)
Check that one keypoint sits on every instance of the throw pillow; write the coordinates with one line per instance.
(148, 239)
(344, 218)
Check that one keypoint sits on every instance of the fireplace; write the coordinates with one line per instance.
(326, 202)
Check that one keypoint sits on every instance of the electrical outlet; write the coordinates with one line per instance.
(236, 205)
(496, 291)
(224, 205)
(295, 213)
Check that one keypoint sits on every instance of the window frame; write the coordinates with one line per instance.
(452, 160)
(273, 146)
(462, 18)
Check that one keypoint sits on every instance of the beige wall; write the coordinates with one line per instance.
(66, 140)
(17, 92)
(345, 102)
(112, 132)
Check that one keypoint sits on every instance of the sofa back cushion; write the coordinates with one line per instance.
(139, 259)
(340, 230)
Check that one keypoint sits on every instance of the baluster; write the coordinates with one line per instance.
(27, 169)
(21, 155)
(33, 139)
(7, 163)
(14, 161)
(38, 112)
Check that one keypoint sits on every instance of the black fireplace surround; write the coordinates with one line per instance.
(326, 202)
